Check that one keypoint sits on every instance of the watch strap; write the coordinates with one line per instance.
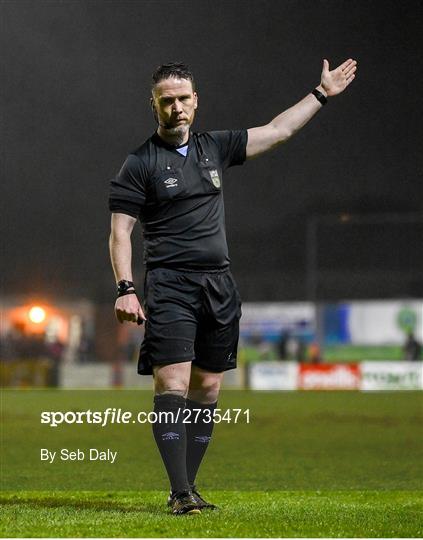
(125, 293)
(124, 285)
(319, 96)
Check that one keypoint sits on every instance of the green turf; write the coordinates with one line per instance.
(334, 353)
(295, 440)
(241, 514)
(308, 464)
(354, 353)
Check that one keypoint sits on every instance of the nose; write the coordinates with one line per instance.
(177, 106)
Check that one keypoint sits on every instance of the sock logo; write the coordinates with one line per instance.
(202, 439)
(170, 436)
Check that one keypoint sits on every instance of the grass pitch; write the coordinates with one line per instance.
(312, 464)
(241, 514)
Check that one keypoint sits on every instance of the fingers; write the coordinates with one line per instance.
(345, 67)
(345, 64)
(123, 316)
(349, 72)
(350, 79)
(141, 315)
(350, 69)
(128, 308)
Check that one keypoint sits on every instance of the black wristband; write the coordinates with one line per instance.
(319, 96)
(124, 293)
(123, 285)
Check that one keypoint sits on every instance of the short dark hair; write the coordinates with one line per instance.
(178, 70)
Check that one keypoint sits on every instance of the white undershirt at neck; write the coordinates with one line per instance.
(183, 150)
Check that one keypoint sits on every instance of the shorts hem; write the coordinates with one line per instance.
(170, 362)
(213, 369)
(146, 368)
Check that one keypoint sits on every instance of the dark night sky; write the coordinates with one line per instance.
(75, 90)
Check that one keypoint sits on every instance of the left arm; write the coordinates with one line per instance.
(280, 129)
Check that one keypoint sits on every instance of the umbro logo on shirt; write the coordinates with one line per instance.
(171, 182)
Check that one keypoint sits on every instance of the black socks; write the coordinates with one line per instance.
(171, 439)
(198, 435)
(182, 446)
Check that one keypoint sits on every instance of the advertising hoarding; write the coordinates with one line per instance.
(273, 375)
(329, 377)
(391, 375)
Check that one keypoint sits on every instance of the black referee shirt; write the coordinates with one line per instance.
(178, 199)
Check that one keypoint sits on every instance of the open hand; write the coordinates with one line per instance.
(334, 82)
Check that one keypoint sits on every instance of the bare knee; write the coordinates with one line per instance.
(172, 379)
(204, 386)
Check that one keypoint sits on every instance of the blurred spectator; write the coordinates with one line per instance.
(412, 348)
(55, 350)
(314, 355)
(290, 347)
(264, 348)
(256, 349)
(281, 345)
(8, 346)
(85, 352)
(294, 349)
(55, 354)
(301, 351)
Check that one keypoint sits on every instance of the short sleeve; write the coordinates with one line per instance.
(232, 146)
(127, 189)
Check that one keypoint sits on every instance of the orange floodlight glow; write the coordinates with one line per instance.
(37, 314)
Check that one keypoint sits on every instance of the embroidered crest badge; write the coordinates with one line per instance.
(214, 175)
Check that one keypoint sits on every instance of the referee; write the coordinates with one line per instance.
(190, 304)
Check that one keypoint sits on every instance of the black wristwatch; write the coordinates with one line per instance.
(123, 286)
(319, 96)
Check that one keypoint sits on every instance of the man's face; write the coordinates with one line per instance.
(174, 102)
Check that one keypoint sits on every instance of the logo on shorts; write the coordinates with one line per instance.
(214, 175)
(170, 436)
(171, 182)
(202, 439)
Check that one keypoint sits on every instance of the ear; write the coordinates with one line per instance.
(195, 100)
(152, 104)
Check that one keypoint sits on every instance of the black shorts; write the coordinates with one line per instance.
(191, 316)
